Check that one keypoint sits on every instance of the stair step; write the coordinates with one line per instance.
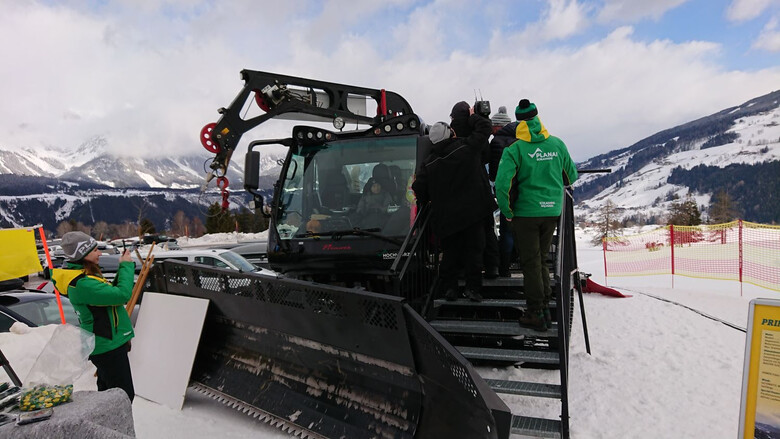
(513, 355)
(490, 328)
(513, 282)
(516, 281)
(507, 303)
(525, 388)
(536, 427)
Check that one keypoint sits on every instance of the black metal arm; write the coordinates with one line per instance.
(278, 94)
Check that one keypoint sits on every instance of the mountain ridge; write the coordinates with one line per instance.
(726, 151)
(743, 137)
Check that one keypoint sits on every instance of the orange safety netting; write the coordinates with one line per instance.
(739, 250)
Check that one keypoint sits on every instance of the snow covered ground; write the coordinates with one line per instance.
(657, 369)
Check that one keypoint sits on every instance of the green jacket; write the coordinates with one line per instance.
(529, 181)
(99, 303)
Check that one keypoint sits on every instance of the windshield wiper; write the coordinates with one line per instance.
(365, 232)
(338, 234)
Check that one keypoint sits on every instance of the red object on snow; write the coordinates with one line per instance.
(593, 287)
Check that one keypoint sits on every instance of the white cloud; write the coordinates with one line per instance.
(744, 10)
(560, 19)
(628, 11)
(616, 91)
(769, 39)
(149, 82)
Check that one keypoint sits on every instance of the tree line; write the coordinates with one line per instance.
(682, 212)
(216, 221)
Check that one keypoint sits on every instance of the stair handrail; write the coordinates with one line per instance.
(416, 285)
(412, 239)
(562, 274)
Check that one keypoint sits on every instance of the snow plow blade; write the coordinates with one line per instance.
(323, 361)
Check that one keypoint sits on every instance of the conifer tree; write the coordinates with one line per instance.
(219, 221)
(147, 226)
(722, 209)
(607, 224)
(684, 213)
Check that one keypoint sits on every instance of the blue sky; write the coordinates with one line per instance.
(148, 74)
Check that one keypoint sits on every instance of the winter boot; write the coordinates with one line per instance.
(490, 272)
(451, 294)
(533, 320)
(473, 295)
(547, 318)
(503, 265)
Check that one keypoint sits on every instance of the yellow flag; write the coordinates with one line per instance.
(18, 254)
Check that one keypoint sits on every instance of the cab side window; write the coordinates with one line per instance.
(208, 260)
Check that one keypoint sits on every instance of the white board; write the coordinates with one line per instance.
(166, 337)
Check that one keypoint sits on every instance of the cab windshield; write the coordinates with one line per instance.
(349, 187)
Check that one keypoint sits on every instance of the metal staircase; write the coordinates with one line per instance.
(488, 333)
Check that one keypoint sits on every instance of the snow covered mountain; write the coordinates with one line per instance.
(90, 163)
(51, 185)
(736, 150)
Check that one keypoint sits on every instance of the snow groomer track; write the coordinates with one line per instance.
(331, 362)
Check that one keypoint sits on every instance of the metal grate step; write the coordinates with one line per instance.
(512, 355)
(515, 281)
(524, 388)
(507, 303)
(490, 328)
(536, 427)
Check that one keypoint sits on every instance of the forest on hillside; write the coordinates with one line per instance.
(754, 189)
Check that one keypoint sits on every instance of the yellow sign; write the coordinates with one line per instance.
(18, 254)
(760, 409)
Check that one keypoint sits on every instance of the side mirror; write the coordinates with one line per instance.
(252, 171)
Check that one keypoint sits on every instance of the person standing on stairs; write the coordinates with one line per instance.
(455, 183)
(460, 123)
(529, 191)
(503, 136)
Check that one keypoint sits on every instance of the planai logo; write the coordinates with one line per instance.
(540, 155)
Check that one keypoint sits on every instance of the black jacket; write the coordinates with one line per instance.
(503, 138)
(453, 179)
(463, 127)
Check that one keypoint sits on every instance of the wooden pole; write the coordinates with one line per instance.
(139, 284)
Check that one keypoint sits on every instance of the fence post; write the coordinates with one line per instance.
(604, 250)
(740, 258)
(671, 238)
(51, 272)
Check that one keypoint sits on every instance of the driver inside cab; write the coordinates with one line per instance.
(374, 205)
(376, 199)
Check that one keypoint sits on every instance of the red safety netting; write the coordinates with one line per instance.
(739, 250)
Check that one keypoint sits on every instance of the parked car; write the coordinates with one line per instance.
(33, 308)
(255, 252)
(11, 284)
(110, 263)
(107, 248)
(220, 258)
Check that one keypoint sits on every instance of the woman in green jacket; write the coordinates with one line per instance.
(100, 307)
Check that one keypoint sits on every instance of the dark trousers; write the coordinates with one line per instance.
(533, 237)
(490, 255)
(462, 251)
(113, 370)
(506, 244)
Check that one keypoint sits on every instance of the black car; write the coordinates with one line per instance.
(33, 308)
